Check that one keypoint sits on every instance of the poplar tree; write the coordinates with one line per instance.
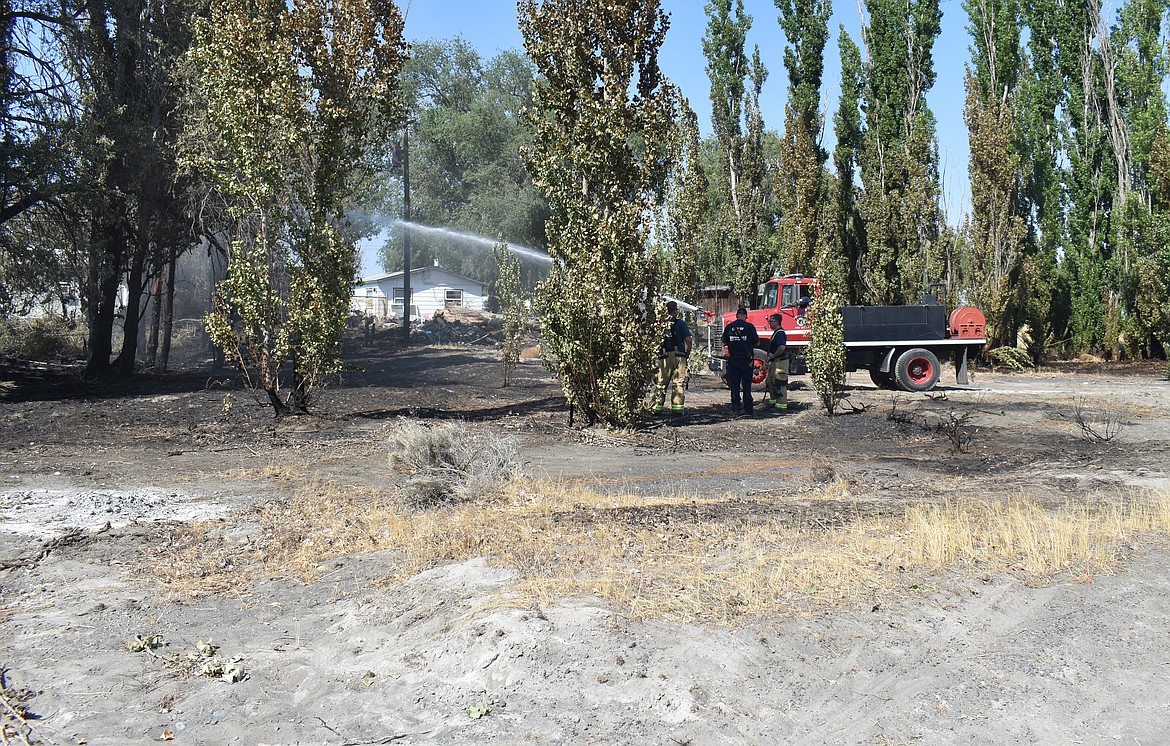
(511, 297)
(684, 229)
(899, 158)
(849, 130)
(802, 179)
(1087, 265)
(826, 354)
(602, 120)
(1042, 198)
(297, 98)
(997, 230)
(743, 210)
(1135, 67)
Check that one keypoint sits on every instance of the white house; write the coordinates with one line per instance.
(431, 288)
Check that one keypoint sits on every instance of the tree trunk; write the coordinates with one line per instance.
(155, 314)
(168, 319)
(100, 309)
(124, 366)
(278, 406)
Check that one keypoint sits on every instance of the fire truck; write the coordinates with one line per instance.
(902, 347)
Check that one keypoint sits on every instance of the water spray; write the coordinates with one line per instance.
(521, 251)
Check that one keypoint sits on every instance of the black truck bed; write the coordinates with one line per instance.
(894, 323)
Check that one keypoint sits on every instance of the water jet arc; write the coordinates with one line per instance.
(523, 252)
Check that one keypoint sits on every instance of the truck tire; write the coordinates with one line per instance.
(759, 370)
(882, 380)
(916, 370)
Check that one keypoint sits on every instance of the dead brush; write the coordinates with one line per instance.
(1096, 425)
(956, 426)
(447, 462)
(707, 558)
(16, 714)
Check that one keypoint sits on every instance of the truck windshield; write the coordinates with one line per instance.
(770, 295)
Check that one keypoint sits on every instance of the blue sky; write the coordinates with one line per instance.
(490, 26)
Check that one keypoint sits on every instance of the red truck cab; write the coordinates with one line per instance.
(791, 296)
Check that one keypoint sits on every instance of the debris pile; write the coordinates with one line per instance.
(461, 326)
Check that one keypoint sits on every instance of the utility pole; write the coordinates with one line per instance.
(406, 232)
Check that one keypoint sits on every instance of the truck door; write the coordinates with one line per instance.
(790, 306)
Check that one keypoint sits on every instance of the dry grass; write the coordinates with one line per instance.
(683, 557)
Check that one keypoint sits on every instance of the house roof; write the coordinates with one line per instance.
(418, 272)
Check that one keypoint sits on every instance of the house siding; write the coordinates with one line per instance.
(428, 288)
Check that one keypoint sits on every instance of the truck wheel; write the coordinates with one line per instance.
(916, 370)
(882, 380)
(759, 370)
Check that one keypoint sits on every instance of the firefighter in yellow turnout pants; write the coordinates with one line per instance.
(672, 364)
(777, 382)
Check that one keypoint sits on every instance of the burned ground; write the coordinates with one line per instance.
(347, 658)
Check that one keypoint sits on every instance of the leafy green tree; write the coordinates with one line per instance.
(685, 228)
(299, 97)
(1134, 69)
(35, 112)
(997, 227)
(806, 28)
(512, 305)
(466, 168)
(826, 347)
(92, 202)
(802, 188)
(899, 158)
(1154, 301)
(602, 121)
(118, 60)
(997, 230)
(848, 126)
(743, 208)
(1089, 177)
(1042, 199)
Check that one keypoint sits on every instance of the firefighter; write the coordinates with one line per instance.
(672, 362)
(740, 339)
(777, 383)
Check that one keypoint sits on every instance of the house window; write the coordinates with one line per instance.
(396, 304)
(454, 297)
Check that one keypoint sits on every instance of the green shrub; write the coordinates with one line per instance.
(41, 338)
(1012, 358)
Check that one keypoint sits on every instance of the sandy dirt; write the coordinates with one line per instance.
(91, 477)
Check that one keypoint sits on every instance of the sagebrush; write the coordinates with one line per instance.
(448, 462)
